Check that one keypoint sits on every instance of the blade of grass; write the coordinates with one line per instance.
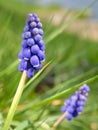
(37, 74)
(9, 69)
(61, 94)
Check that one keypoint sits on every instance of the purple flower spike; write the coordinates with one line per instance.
(75, 104)
(32, 52)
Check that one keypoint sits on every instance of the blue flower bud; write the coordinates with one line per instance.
(75, 114)
(38, 67)
(27, 53)
(41, 55)
(30, 42)
(73, 103)
(40, 43)
(70, 109)
(63, 109)
(39, 25)
(42, 48)
(37, 37)
(33, 24)
(85, 87)
(37, 19)
(82, 97)
(26, 35)
(26, 28)
(80, 103)
(20, 55)
(34, 61)
(35, 49)
(67, 102)
(30, 72)
(23, 65)
(24, 44)
(74, 98)
(41, 32)
(79, 109)
(31, 18)
(35, 15)
(35, 31)
(69, 116)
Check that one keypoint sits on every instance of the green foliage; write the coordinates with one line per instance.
(74, 62)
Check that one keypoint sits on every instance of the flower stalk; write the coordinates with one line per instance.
(59, 121)
(15, 101)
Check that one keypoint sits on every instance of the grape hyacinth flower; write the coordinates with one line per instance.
(75, 104)
(32, 53)
(31, 57)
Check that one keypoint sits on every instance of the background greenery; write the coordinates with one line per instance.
(75, 60)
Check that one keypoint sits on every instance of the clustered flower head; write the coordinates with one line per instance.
(75, 104)
(32, 53)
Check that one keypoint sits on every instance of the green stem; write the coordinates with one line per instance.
(15, 101)
(59, 121)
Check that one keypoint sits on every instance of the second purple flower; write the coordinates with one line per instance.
(74, 105)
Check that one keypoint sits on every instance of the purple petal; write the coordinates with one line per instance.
(37, 37)
(41, 55)
(27, 53)
(30, 42)
(30, 72)
(35, 49)
(34, 61)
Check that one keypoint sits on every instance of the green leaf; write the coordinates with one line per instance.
(9, 69)
(37, 74)
(65, 92)
(22, 125)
